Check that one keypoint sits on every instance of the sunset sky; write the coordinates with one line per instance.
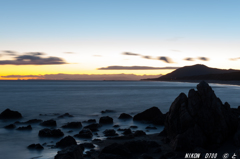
(78, 38)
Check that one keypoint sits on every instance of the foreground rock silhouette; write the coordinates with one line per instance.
(199, 120)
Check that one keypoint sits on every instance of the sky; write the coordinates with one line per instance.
(96, 39)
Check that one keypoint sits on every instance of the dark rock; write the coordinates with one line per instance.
(87, 145)
(10, 114)
(65, 115)
(151, 127)
(120, 129)
(50, 122)
(97, 140)
(124, 116)
(73, 125)
(199, 120)
(110, 132)
(84, 133)
(163, 133)
(116, 149)
(139, 133)
(116, 126)
(127, 132)
(71, 152)
(126, 137)
(106, 120)
(66, 141)
(50, 133)
(10, 126)
(93, 127)
(49, 114)
(29, 127)
(145, 156)
(33, 121)
(134, 127)
(153, 115)
(107, 111)
(140, 146)
(236, 138)
(111, 156)
(70, 131)
(35, 146)
(90, 121)
(158, 150)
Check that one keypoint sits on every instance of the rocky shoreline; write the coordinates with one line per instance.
(197, 123)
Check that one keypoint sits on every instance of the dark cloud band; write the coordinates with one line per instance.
(136, 68)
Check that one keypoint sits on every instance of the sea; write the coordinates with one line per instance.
(85, 100)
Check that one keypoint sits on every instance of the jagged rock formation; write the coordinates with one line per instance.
(199, 120)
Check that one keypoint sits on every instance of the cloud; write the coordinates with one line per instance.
(234, 59)
(69, 52)
(165, 59)
(82, 77)
(203, 58)
(162, 58)
(129, 53)
(198, 58)
(33, 58)
(97, 55)
(136, 68)
(147, 57)
(189, 59)
(9, 52)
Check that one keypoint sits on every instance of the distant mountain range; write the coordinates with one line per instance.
(200, 72)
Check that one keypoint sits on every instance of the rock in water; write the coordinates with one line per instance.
(10, 126)
(153, 115)
(35, 146)
(106, 120)
(29, 127)
(73, 125)
(199, 120)
(50, 122)
(124, 116)
(84, 133)
(71, 152)
(50, 133)
(66, 141)
(10, 114)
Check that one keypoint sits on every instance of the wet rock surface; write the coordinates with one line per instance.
(72, 125)
(93, 127)
(50, 133)
(71, 152)
(124, 116)
(66, 141)
(84, 133)
(29, 127)
(105, 120)
(199, 120)
(50, 122)
(10, 126)
(36, 147)
(10, 114)
(153, 115)
(65, 115)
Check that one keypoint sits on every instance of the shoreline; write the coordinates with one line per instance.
(233, 83)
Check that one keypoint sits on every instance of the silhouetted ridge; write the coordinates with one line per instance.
(197, 72)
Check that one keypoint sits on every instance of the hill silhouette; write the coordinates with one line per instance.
(200, 72)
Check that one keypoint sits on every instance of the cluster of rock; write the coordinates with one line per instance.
(200, 120)
(194, 122)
